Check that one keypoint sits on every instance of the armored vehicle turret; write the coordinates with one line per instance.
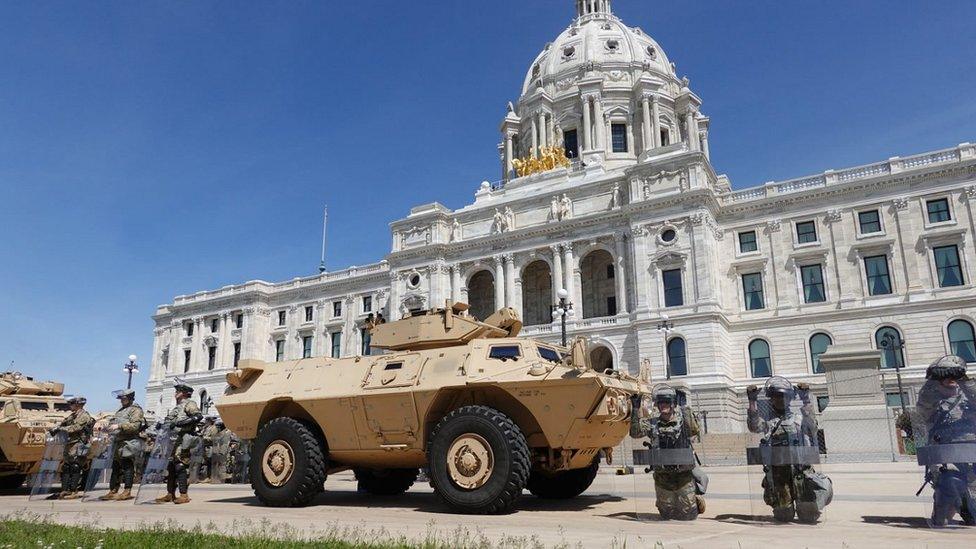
(28, 409)
(486, 412)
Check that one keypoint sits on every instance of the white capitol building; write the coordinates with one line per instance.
(642, 233)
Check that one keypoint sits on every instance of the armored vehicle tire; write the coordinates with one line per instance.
(564, 485)
(386, 482)
(11, 482)
(290, 467)
(478, 460)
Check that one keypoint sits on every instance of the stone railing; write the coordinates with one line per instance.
(964, 151)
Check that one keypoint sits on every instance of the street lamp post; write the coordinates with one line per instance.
(665, 327)
(562, 310)
(130, 368)
(892, 342)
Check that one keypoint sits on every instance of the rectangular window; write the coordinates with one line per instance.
(893, 400)
(237, 354)
(879, 281)
(948, 266)
(213, 326)
(211, 358)
(505, 352)
(336, 309)
(619, 137)
(813, 284)
(307, 347)
(571, 142)
(279, 350)
(748, 242)
(238, 321)
(308, 313)
(869, 221)
(752, 289)
(612, 305)
(186, 361)
(938, 210)
(336, 344)
(806, 232)
(281, 318)
(367, 304)
(673, 295)
(189, 329)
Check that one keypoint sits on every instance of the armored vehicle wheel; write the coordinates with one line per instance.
(564, 485)
(10, 482)
(290, 469)
(478, 460)
(386, 482)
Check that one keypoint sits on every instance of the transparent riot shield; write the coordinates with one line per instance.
(943, 426)
(782, 455)
(99, 469)
(196, 470)
(219, 457)
(669, 480)
(46, 482)
(153, 482)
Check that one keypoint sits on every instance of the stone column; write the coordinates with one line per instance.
(510, 280)
(393, 311)
(691, 123)
(197, 359)
(499, 282)
(587, 124)
(568, 260)
(455, 283)
(508, 156)
(542, 129)
(601, 124)
(648, 131)
(704, 144)
(557, 271)
(551, 128)
(621, 273)
(535, 139)
(656, 121)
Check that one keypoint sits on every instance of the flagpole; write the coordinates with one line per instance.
(325, 223)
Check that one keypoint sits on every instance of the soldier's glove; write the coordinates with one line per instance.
(803, 386)
(752, 393)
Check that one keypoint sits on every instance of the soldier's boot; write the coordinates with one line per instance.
(166, 499)
(784, 514)
(126, 495)
(72, 495)
(110, 496)
(182, 499)
(700, 501)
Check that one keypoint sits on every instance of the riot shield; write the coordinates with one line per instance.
(153, 482)
(196, 470)
(241, 461)
(46, 482)
(99, 470)
(943, 426)
(218, 458)
(782, 454)
(669, 481)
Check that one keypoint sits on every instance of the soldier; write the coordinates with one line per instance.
(947, 409)
(794, 487)
(128, 425)
(221, 450)
(77, 427)
(678, 488)
(182, 421)
(208, 434)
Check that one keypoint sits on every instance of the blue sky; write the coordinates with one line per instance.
(151, 149)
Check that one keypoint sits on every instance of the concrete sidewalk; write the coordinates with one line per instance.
(874, 506)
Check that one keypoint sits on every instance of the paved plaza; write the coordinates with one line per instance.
(874, 506)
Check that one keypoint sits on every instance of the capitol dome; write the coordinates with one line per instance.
(604, 92)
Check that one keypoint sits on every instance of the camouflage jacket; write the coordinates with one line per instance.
(784, 429)
(948, 419)
(77, 426)
(131, 422)
(676, 432)
(183, 418)
(209, 433)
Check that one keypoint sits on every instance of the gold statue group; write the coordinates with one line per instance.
(548, 158)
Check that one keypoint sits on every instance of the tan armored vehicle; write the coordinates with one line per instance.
(28, 409)
(488, 414)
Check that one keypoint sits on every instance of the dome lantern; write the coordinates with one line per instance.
(592, 7)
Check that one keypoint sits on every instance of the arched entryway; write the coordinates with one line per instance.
(536, 294)
(601, 359)
(481, 294)
(598, 276)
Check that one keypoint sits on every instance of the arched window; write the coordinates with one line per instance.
(962, 340)
(818, 346)
(759, 360)
(677, 359)
(888, 341)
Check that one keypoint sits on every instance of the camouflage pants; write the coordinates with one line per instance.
(675, 495)
(955, 493)
(123, 473)
(73, 466)
(791, 487)
(177, 476)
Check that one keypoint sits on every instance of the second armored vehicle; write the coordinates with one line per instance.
(488, 414)
(28, 409)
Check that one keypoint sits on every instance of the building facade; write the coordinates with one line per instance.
(670, 272)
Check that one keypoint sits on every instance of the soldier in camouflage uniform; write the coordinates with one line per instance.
(946, 410)
(794, 488)
(221, 452)
(208, 434)
(128, 425)
(182, 421)
(77, 427)
(675, 486)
